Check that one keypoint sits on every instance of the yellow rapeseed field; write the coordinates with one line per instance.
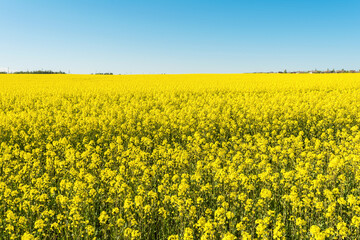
(221, 156)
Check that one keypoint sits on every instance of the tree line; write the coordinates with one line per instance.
(39, 72)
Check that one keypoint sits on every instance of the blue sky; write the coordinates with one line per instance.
(187, 36)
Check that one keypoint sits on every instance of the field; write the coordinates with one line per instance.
(232, 156)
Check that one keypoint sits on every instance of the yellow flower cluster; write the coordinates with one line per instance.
(238, 156)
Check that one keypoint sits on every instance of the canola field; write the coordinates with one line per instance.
(221, 156)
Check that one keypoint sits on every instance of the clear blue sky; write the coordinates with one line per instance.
(185, 36)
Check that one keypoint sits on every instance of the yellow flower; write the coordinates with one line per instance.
(246, 236)
(229, 236)
(355, 221)
(39, 225)
(265, 193)
(316, 233)
(352, 200)
(341, 201)
(27, 236)
(188, 234)
(230, 215)
(300, 221)
(342, 229)
(90, 230)
(173, 237)
(103, 217)
(138, 201)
